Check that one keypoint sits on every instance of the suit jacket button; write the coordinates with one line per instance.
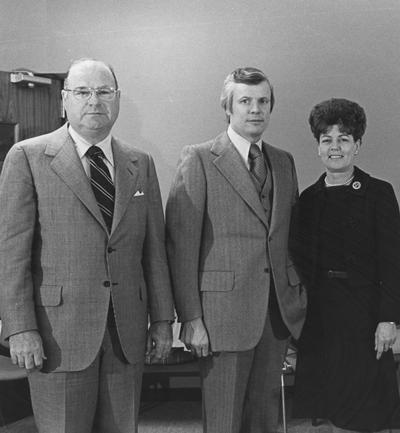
(266, 270)
(106, 284)
(110, 250)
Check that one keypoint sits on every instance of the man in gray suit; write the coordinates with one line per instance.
(83, 263)
(235, 287)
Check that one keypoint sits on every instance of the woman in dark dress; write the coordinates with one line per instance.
(346, 245)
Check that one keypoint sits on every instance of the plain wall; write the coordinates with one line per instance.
(171, 57)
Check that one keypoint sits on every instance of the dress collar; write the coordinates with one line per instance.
(357, 186)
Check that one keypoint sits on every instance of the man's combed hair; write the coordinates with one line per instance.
(348, 115)
(249, 76)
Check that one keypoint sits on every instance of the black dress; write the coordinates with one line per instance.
(338, 377)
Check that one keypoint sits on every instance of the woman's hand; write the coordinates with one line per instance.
(385, 336)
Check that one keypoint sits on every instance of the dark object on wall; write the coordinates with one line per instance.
(15, 402)
(157, 379)
(9, 134)
(4, 351)
(27, 111)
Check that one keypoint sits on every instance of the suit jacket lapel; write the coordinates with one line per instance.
(231, 166)
(126, 174)
(67, 165)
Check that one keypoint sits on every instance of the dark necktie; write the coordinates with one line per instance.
(257, 164)
(102, 184)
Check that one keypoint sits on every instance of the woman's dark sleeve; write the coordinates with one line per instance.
(387, 225)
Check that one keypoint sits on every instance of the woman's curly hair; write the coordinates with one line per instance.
(348, 115)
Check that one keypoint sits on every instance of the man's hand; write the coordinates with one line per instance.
(195, 337)
(385, 336)
(26, 350)
(159, 340)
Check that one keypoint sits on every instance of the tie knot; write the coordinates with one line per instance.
(254, 152)
(95, 151)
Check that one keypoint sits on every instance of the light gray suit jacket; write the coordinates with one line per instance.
(58, 264)
(218, 239)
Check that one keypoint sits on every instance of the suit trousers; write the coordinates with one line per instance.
(241, 390)
(103, 398)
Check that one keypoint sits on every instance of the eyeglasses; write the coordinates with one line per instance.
(84, 93)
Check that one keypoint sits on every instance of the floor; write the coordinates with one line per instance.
(177, 412)
(172, 417)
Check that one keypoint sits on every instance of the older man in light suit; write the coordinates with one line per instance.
(235, 287)
(83, 263)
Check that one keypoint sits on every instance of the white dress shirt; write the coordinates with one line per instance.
(82, 146)
(242, 145)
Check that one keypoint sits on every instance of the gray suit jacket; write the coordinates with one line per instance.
(58, 264)
(218, 238)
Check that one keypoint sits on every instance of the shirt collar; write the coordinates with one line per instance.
(242, 145)
(82, 145)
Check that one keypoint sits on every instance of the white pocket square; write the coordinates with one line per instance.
(138, 193)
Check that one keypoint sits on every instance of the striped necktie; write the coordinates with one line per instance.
(257, 164)
(102, 184)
